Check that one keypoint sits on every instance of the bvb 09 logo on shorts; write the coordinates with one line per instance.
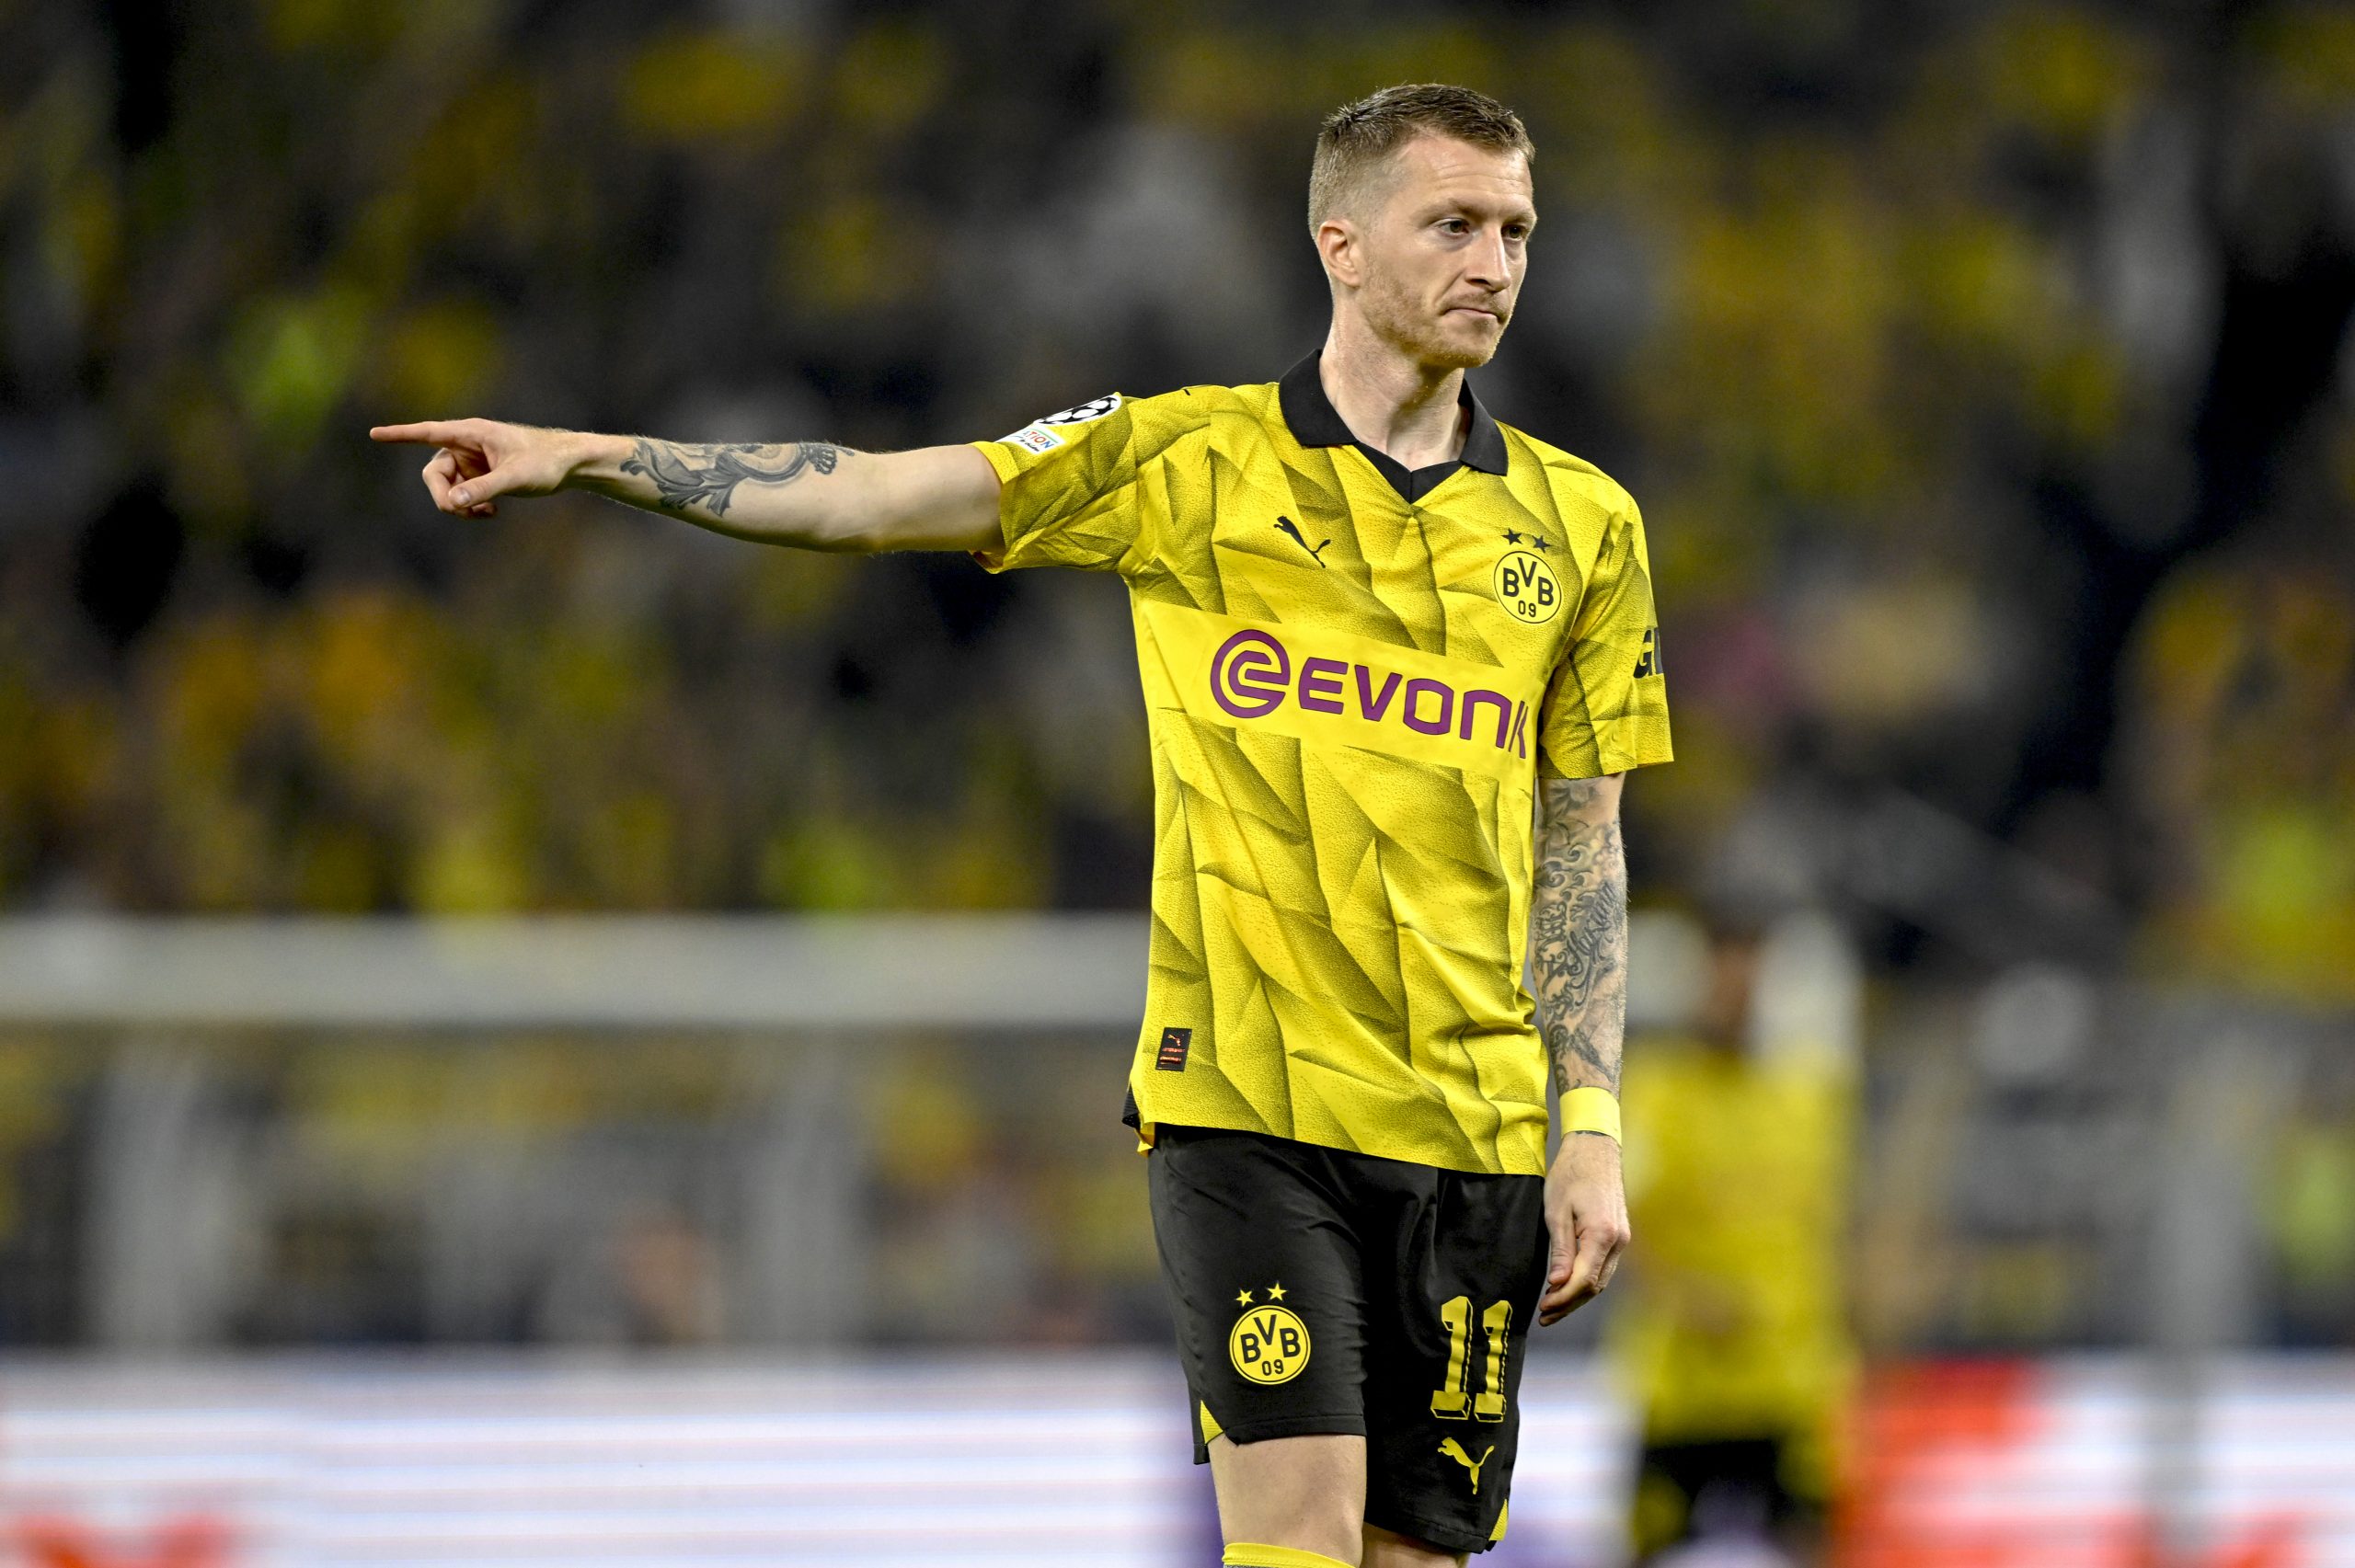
(1269, 1345)
(1525, 587)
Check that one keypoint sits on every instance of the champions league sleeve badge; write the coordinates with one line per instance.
(1079, 414)
(1041, 435)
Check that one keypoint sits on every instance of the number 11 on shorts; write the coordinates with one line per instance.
(1452, 1404)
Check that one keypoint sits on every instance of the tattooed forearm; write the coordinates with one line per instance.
(1579, 932)
(702, 475)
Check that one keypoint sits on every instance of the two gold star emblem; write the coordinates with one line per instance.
(1275, 1293)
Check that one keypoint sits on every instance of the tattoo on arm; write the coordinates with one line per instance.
(1580, 937)
(705, 475)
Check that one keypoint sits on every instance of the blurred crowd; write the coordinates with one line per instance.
(1980, 368)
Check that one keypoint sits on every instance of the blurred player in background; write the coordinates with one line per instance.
(1397, 657)
(1732, 1336)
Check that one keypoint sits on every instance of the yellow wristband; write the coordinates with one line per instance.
(1591, 1110)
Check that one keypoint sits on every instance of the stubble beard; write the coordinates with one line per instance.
(1408, 326)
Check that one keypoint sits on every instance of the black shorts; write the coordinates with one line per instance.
(1741, 1480)
(1318, 1290)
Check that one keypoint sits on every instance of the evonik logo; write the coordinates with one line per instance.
(1252, 676)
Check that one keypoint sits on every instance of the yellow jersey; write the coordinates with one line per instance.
(1737, 1177)
(1351, 674)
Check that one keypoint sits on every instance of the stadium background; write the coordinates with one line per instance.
(1982, 371)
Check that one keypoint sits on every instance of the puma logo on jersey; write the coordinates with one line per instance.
(1455, 1450)
(1294, 529)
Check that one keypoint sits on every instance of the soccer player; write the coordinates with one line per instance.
(1397, 658)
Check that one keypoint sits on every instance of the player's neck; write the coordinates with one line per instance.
(1407, 412)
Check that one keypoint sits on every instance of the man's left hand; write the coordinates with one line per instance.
(1586, 1211)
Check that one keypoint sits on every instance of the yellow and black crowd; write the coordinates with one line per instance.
(1983, 374)
(1982, 371)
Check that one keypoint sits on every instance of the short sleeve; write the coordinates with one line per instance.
(1606, 704)
(1068, 488)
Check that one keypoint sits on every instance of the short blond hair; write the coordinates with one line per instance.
(1357, 139)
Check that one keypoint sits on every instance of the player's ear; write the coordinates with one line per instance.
(1339, 245)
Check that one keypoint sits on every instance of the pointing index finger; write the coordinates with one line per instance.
(432, 432)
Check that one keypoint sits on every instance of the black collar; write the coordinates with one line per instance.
(1315, 422)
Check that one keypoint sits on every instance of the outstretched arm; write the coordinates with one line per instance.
(810, 494)
(1579, 952)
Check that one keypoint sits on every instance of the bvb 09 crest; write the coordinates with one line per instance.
(1269, 1344)
(1526, 588)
